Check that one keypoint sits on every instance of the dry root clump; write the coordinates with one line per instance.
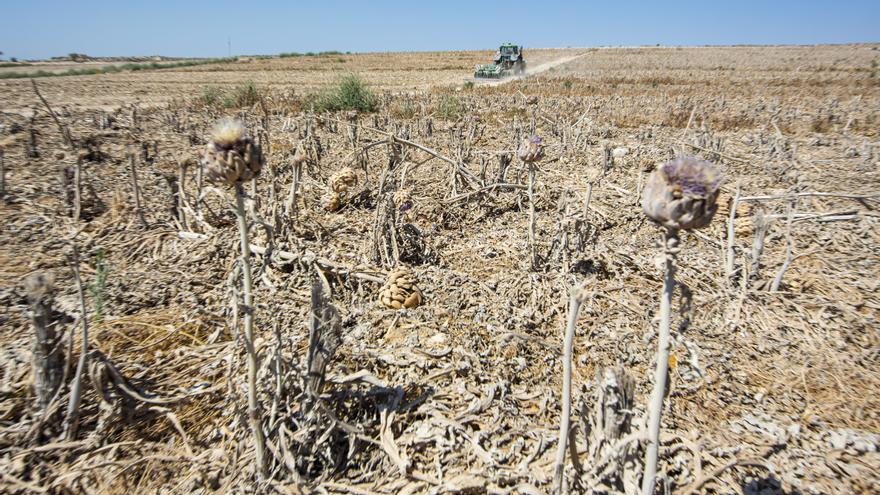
(231, 157)
(340, 185)
(400, 290)
(681, 194)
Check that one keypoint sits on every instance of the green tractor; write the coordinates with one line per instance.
(507, 62)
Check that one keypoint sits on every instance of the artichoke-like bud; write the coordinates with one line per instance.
(531, 150)
(343, 180)
(231, 157)
(681, 193)
(400, 290)
(403, 200)
(331, 201)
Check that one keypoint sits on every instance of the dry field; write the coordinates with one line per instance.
(770, 391)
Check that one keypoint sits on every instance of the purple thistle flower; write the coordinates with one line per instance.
(696, 178)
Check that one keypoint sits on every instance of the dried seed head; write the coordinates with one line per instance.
(39, 286)
(231, 157)
(227, 132)
(331, 201)
(400, 290)
(531, 150)
(343, 180)
(681, 194)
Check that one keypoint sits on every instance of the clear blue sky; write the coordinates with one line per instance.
(41, 28)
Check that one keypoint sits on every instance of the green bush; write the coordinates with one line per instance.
(468, 85)
(450, 107)
(567, 84)
(405, 109)
(245, 95)
(211, 95)
(349, 93)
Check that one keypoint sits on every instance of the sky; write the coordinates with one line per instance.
(43, 28)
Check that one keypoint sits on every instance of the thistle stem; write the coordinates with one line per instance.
(71, 423)
(248, 289)
(670, 249)
(574, 306)
(531, 190)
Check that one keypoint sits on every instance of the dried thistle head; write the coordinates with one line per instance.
(344, 179)
(682, 193)
(531, 150)
(331, 201)
(403, 200)
(231, 157)
(400, 290)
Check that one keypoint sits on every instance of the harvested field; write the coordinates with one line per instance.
(773, 382)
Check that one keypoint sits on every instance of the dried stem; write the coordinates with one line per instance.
(181, 194)
(670, 249)
(2, 175)
(574, 305)
(248, 288)
(65, 132)
(531, 191)
(761, 225)
(136, 190)
(71, 423)
(77, 189)
(774, 286)
(47, 357)
(731, 236)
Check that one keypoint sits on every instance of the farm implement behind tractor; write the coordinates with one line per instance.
(507, 62)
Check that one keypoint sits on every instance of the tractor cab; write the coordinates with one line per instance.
(507, 51)
(508, 61)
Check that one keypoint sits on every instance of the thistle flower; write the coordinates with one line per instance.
(681, 193)
(531, 150)
(231, 157)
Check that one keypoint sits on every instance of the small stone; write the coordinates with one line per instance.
(837, 440)
(620, 152)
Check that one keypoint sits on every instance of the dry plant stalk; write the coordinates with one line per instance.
(577, 298)
(71, 422)
(2, 175)
(232, 158)
(670, 249)
(680, 194)
(136, 191)
(77, 188)
(777, 280)
(530, 152)
(731, 236)
(47, 362)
